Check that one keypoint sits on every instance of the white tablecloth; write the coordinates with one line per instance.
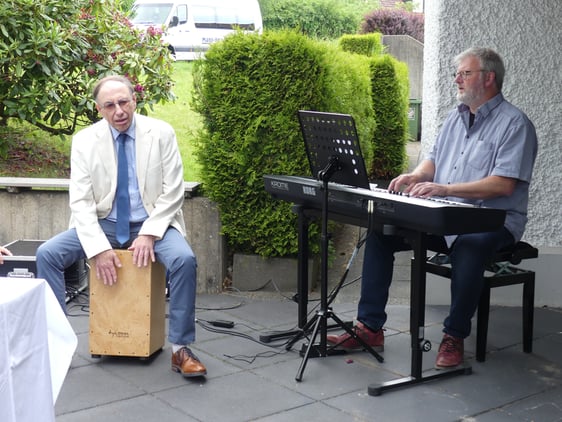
(36, 348)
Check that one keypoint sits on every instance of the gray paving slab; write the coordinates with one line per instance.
(547, 408)
(315, 412)
(267, 313)
(238, 397)
(326, 377)
(248, 381)
(549, 347)
(419, 403)
(90, 386)
(142, 408)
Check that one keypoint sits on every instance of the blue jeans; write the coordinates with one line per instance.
(172, 251)
(469, 255)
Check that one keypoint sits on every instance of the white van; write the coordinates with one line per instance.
(190, 26)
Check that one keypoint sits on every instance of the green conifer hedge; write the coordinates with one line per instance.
(248, 89)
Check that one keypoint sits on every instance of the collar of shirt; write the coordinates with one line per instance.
(485, 108)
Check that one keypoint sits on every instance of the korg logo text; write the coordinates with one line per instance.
(309, 190)
(280, 185)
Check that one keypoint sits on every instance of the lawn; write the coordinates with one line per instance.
(183, 119)
(34, 153)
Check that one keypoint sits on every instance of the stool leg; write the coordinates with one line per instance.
(528, 313)
(483, 315)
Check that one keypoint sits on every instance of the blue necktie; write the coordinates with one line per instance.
(123, 206)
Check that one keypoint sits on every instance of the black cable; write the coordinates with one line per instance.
(220, 308)
(252, 359)
(81, 301)
(332, 295)
(208, 325)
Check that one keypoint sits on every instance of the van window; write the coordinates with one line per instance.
(151, 14)
(221, 18)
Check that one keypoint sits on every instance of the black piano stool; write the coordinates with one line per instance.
(503, 273)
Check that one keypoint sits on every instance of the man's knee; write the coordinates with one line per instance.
(188, 259)
(182, 259)
(44, 253)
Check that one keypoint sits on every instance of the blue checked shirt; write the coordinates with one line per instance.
(501, 142)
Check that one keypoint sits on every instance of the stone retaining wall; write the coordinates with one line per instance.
(40, 214)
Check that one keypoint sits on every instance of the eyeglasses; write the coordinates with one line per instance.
(467, 74)
(112, 106)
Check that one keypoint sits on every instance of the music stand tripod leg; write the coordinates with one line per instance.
(303, 281)
(324, 175)
(325, 312)
(321, 350)
(310, 347)
(356, 337)
(302, 333)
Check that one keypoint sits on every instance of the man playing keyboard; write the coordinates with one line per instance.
(484, 154)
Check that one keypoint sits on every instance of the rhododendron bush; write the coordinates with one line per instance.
(53, 51)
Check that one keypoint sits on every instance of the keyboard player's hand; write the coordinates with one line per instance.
(404, 183)
(427, 190)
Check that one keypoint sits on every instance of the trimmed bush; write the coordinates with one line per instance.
(323, 19)
(390, 87)
(248, 90)
(348, 90)
(367, 45)
(390, 90)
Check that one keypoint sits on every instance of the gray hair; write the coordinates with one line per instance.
(116, 78)
(490, 61)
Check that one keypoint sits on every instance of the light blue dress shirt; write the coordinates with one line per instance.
(502, 142)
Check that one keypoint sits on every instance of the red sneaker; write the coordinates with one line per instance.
(450, 353)
(346, 342)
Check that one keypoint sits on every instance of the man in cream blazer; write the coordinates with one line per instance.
(155, 219)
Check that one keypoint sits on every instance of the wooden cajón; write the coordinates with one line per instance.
(128, 318)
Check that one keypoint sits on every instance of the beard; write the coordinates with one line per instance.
(471, 95)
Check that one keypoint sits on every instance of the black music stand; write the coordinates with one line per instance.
(334, 155)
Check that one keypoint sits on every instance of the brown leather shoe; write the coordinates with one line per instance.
(451, 352)
(346, 342)
(189, 365)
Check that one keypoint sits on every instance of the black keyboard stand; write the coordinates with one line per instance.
(301, 297)
(419, 344)
(302, 283)
(417, 322)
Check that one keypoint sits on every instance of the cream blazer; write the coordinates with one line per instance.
(93, 180)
